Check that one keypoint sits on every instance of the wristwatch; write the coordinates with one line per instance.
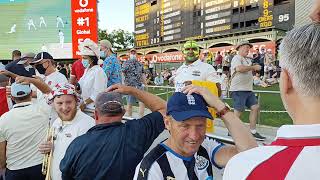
(224, 111)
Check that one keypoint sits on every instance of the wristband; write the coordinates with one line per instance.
(224, 111)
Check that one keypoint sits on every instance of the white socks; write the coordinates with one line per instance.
(253, 131)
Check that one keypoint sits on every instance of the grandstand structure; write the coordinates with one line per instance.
(162, 26)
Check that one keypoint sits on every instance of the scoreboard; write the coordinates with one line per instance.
(164, 21)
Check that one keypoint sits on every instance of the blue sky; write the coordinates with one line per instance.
(116, 14)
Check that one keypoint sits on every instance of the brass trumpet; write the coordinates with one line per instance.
(46, 163)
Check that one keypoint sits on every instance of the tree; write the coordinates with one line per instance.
(119, 39)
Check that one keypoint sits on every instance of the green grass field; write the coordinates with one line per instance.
(271, 102)
(19, 11)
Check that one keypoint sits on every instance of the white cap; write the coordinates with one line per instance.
(89, 48)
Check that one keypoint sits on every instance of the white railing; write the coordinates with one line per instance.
(170, 89)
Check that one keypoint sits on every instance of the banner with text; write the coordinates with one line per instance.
(178, 56)
(84, 23)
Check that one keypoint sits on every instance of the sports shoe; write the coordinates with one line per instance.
(258, 136)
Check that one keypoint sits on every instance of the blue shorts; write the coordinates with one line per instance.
(132, 99)
(242, 99)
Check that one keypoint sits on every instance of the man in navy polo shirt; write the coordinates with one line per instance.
(112, 149)
(21, 67)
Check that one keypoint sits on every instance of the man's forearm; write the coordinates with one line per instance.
(2, 163)
(241, 135)
(243, 68)
(72, 79)
(153, 102)
(13, 75)
(3, 158)
(41, 85)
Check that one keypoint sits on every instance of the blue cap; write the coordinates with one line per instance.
(20, 90)
(182, 107)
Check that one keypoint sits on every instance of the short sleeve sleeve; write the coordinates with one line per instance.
(236, 61)
(8, 67)
(212, 147)
(2, 133)
(212, 75)
(154, 172)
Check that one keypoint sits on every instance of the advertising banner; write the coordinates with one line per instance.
(261, 45)
(178, 56)
(84, 23)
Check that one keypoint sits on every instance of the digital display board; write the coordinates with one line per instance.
(165, 21)
(55, 26)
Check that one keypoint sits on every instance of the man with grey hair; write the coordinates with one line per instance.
(112, 149)
(295, 152)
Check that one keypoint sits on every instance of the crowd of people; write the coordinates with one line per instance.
(71, 127)
(265, 77)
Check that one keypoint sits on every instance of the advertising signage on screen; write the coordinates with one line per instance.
(55, 26)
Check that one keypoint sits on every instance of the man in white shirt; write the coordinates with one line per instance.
(42, 22)
(158, 80)
(59, 21)
(296, 150)
(22, 129)
(43, 63)
(193, 68)
(70, 124)
(241, 86)
(151, 66)
(223, 80)
(13, 29)
(31, 23)
(61, 38)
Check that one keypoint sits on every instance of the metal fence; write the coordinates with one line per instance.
(166, 91)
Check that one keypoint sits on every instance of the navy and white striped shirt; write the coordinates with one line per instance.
(162, 163)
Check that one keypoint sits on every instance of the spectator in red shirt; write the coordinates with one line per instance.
(218, 60)
(3, 97)
(77, 71)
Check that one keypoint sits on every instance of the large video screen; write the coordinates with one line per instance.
(44, 25)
